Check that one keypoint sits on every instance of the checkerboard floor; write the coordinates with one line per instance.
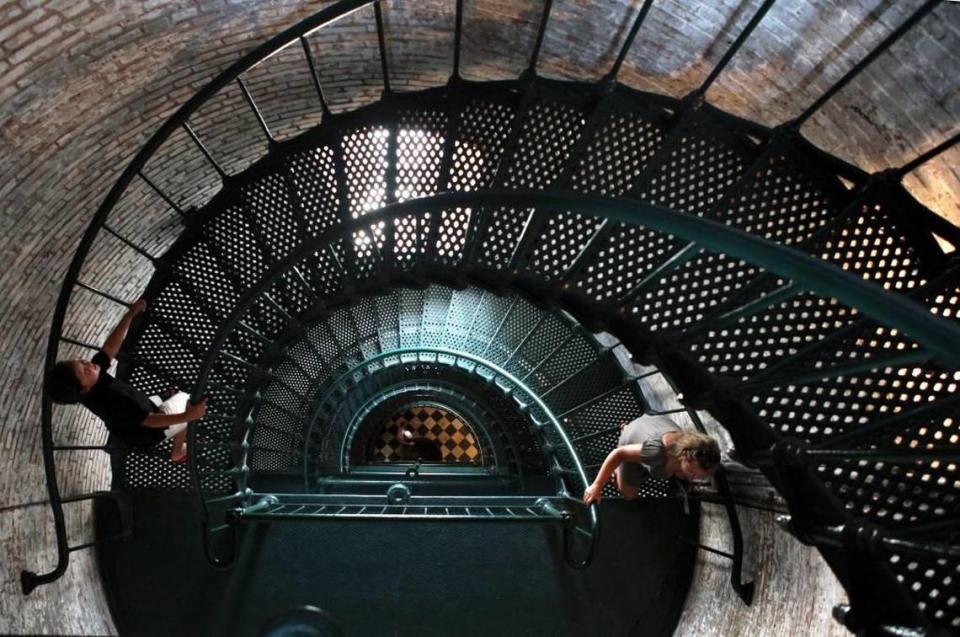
(433, 426)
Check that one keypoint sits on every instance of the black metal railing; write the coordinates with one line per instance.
(778, 275)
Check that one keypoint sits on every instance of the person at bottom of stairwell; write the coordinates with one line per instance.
(654, 446)
(133, 418)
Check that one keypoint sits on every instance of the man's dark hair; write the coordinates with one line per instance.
(62, 384)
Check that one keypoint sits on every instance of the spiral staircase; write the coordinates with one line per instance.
(524, 254)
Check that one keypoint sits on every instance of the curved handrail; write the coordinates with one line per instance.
(937, 335)
(407, 351)
(912, 318)
(29, 580)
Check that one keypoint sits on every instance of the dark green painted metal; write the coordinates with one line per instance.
(939, 337)
(858, 434)
(833, 371)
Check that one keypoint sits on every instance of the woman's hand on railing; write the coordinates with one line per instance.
(593, 493)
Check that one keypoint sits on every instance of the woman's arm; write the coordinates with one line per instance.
(628, 453)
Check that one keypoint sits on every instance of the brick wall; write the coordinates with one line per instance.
(83, 84)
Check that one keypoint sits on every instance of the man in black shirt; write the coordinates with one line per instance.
(128, 413)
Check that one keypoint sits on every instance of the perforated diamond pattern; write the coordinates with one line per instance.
(617, 154)
(452, 234)
(695, 174)
(365, 318)
(511, 333)
(365, 158)
(419, 152)
(628, 254)
(459, 321)
(551, 334)
(481, 139)
(575, 354)
(436, 307)
(751, 343)
(504, 226)
(564, 237)
(234, 244)
(272, 216)
(684, 296)
(546, 138)
(411, 317)
(314, 176)
(933, 583)
(855, 399)
(870, 244)
(388, 322)
(781, 202)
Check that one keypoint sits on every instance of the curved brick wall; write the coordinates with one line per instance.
(83, 84)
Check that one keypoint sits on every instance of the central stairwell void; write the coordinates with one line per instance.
(508, 254)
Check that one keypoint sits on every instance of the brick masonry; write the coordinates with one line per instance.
(84, 83)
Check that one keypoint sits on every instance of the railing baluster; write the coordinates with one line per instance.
(277, 407)
(457, 38)
(775, 297)
(86, 545)
(949, 454)
(314, 75)
(667, 412)
(305, 285)
(538, 43)
(382, 44)
(596, 434)
(254, 333)
(73, 341)
(637, 23)
(206, 153)
(908, 24)
(677, 259)
(101, 293)
(496, 332)
(574, 373)
(256, 112)
(85, 497)
(170, 202)
(83, 448)
(610, 392)
(543, 360)
(523, 341)
(728, 55)
(924, 157)
(133, 246)
(279, 308)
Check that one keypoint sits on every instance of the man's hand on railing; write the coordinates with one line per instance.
(139, 307)
(112, 345)
(196, 411)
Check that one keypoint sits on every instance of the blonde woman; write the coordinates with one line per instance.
(654, 447)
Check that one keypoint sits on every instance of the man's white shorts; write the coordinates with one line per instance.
(176, 404)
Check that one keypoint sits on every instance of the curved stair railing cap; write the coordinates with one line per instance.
(936, 335)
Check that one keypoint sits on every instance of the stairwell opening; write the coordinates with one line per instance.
(424, 432)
